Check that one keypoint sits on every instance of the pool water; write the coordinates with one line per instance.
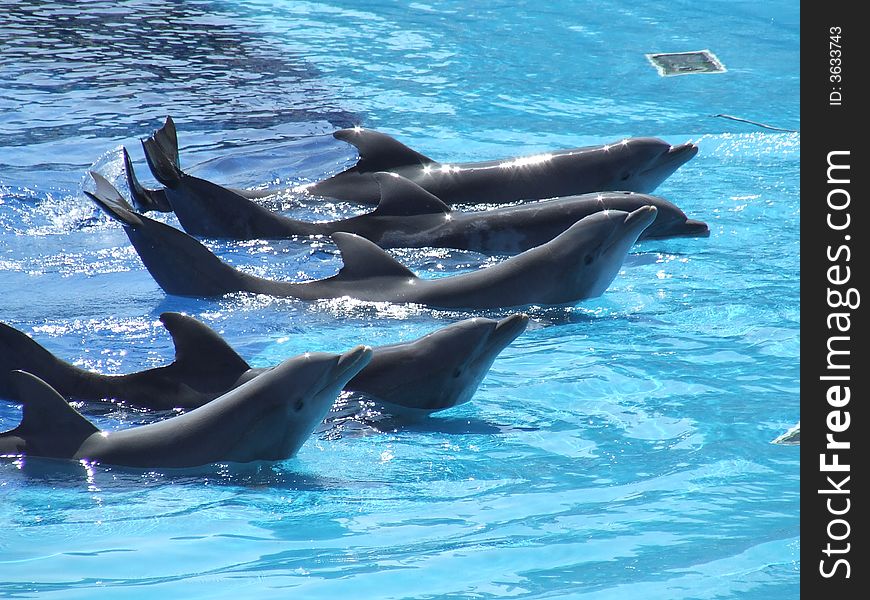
(619, 448)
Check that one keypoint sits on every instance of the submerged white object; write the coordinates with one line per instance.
(686, 63)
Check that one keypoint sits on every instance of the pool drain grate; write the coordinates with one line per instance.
(686, 63)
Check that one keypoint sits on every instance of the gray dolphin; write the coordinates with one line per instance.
(164, 142)
(407, 215)
(579, 263)
(448, 366)
(267, 418)
(204, 368)
(632, 164)
(434, 372)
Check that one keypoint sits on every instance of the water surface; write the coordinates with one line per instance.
(619, 448)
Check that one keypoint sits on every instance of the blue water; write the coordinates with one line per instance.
(617, 449)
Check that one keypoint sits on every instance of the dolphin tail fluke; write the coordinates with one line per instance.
(144, 199)
(179, 263)
(110, 200)
(18, 351)
(167, 139)
(161, 152)
(164, 165)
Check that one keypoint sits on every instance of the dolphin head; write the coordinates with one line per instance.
(324, 375)
(292, 399)
(441, 369)
(589, 254)
(641, 164)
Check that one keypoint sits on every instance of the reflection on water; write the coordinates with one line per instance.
(103, 69)
(73, 474)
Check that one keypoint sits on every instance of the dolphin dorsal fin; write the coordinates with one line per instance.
(380, 152)
(363, 259)
(401, 197)
(45, 411)
(200, 348)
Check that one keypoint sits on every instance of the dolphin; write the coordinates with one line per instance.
(165, 142)
(448, 366)
(636, 164)
(267, 418)
(792, 437)
(406, 216)
(434, 372)
(632, 164)
(579, 263)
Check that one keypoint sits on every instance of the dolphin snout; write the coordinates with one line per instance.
(682, 151)
(353, 361)
(677, 156)
(508, 329)
(641, 218)
(696, 228)
(674, 157)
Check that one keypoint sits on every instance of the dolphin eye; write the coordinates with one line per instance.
(587, 260)
(457, 373)
(299, 405)
(625, 177)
